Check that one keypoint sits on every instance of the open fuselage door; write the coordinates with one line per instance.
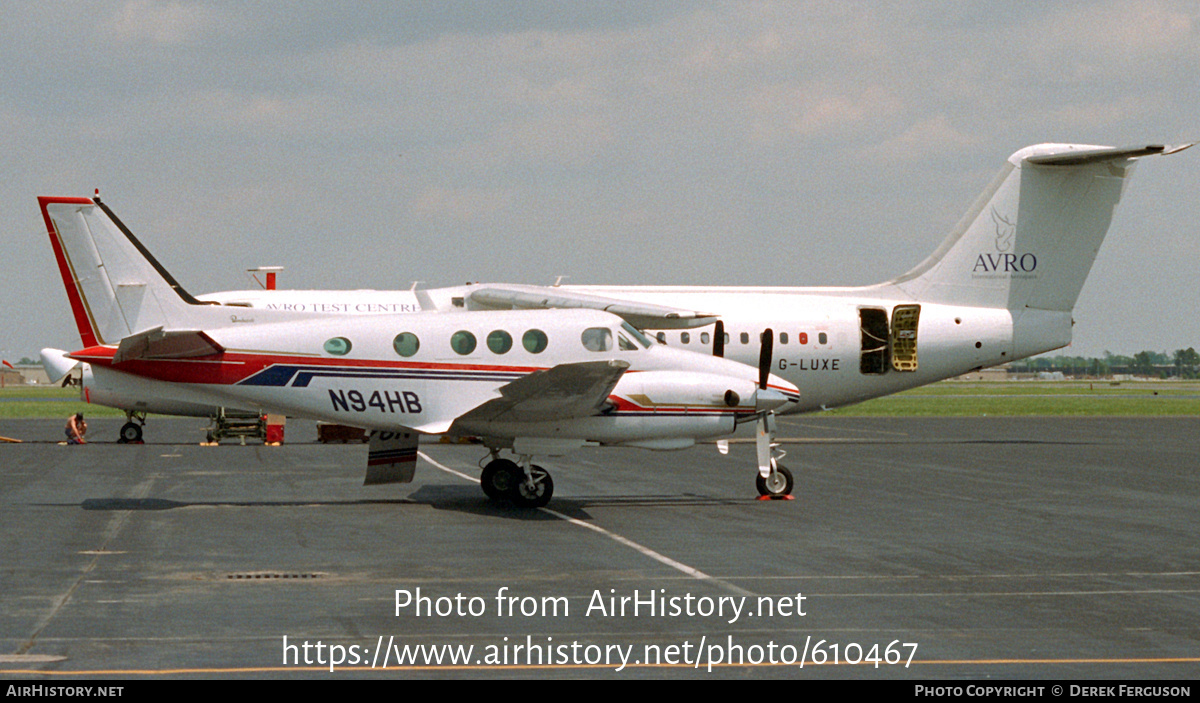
(885, 346)
(904, 337)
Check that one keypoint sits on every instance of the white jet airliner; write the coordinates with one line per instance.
(1001, 287)
(536, 382)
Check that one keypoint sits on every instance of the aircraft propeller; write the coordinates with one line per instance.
(766, 419)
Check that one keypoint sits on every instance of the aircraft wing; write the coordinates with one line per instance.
(562, 392)
(158, 344)
(640, 315)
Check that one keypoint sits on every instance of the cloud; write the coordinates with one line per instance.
(162, 23)
(458, 205)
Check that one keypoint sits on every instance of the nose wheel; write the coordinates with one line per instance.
(777, 483)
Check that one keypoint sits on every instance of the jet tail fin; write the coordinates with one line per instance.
(1031, 238)
(115, 286)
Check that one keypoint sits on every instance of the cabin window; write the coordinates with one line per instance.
(406, 344)
(685, 338)
(597, 339)
(822, 338)
(783, 337)
(662, 337)
(802, 338)
(745, 337)
(704, 338)
(534, 341)
(462, 342)
(499, 341)
(338, 346)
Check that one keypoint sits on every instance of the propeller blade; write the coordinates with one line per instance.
(719, 339)
(764, 357)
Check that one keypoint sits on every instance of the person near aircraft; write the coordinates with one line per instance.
(76, 429)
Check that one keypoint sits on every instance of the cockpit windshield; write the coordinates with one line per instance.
(636, 334)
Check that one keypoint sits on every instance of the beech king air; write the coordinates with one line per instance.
(536, 382)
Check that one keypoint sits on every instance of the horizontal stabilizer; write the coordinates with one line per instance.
(640, 315)
(57, 364)
(157, 344)
(1079, 157)
(563, 392)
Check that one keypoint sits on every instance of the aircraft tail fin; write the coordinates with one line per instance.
(115, 286)
(1031, 238)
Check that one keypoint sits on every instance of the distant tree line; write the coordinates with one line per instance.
(1183, 363)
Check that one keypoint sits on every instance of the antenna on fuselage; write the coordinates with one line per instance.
(270, 271)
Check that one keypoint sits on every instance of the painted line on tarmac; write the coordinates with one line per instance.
(640, 548)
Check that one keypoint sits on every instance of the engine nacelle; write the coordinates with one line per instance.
(654, 410)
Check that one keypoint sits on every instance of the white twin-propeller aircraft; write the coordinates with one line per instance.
(536, 382)
(542, 369)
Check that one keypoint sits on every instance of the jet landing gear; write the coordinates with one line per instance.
(777, 484)
(528, 486)
(774, 480)
(131, 431)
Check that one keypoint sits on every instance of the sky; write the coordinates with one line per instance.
(368, 145)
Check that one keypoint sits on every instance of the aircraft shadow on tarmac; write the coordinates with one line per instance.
(464, 499)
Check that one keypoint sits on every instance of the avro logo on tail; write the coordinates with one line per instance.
(1005, 231)
(1004, 262)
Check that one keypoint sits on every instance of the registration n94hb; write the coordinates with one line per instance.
(378, 401)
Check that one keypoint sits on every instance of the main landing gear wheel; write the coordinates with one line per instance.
(777, 483)
(131, 432)
(500, 478)
(535, 491)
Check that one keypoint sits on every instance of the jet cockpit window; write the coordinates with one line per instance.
(338, 346)
(597, 339)
(462, 342)
(406, 344)
(534, 341)
(499, 341)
